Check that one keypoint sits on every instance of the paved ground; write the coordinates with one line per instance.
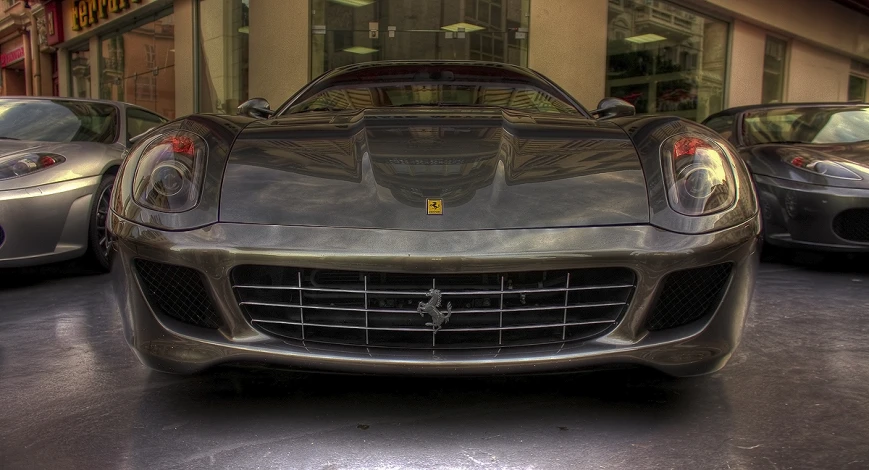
(796, 395)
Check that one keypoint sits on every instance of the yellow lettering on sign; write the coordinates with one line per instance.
(113, 6)
(93, 11)
(76, 21)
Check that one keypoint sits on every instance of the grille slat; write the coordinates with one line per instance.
(445, 330)
(386, 309)
(852, 225)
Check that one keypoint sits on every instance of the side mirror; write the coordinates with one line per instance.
(257, 108)
(613, 107)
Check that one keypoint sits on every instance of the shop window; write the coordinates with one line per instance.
(138, 65)
(856, 88)
(663, 58)
(80, 66)
(774, 70)
(491, 30)
(224, 28)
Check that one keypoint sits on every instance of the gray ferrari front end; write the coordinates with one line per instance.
(474, 240)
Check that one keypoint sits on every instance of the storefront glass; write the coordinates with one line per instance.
(352, 31)
(665, 59)
(80, 68)
(138, 66)
(774, 70)
(224, 27)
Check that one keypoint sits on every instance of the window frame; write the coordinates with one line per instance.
(786, 65)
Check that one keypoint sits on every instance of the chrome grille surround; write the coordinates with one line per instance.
(380, 310)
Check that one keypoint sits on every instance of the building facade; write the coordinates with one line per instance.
(685, 57)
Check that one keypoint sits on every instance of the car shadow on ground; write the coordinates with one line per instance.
(29, 276)
(817, 261)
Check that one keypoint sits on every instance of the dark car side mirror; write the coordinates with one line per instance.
(257, 108)
(613, 107)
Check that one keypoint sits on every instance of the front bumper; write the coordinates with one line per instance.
(800, 215)
(696, 348)
(45, 223)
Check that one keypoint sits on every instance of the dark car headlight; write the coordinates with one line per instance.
(815, 164)
(169, 171)
(698, 174)
(22, 164)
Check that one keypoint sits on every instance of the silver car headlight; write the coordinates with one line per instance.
(23, 164)
(170, 171)
(698, 174)
(805, 161)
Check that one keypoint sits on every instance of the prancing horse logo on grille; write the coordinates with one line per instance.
(431, 307)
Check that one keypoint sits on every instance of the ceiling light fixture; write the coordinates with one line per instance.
(645, 38)
(360, 50)
(468, 27)
(353, 3)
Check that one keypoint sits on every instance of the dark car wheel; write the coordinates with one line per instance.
(99, 245)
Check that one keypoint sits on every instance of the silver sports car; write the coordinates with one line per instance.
(58, 160)
(434, 218)
(810, 163)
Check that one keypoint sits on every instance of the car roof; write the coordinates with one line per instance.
(418, 63)
(82, 100)
(752, 107)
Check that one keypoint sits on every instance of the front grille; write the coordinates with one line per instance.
(689, 295)
(177, 292)
(853, 225)
(389, 309)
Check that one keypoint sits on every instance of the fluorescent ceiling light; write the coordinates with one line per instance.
(644, 38)
(354, 3)
(360, 50)
(468, 27)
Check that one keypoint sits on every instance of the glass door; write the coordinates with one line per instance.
(351, 31)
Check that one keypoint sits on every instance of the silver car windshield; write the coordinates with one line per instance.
(58, 121)
(810, 125)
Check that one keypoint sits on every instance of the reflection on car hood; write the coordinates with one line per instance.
(491, 169)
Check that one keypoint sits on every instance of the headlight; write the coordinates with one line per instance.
(699, 175)
(27, 163)
(169, 172)
(822, 167)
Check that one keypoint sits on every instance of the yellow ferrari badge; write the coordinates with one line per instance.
(434, 206)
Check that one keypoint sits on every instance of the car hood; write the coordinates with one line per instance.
(490, 169)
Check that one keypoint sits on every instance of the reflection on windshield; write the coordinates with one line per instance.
(365, 96)
(58, 121)
(816, 125)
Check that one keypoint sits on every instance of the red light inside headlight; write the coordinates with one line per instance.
(170, 171)
(699, 175)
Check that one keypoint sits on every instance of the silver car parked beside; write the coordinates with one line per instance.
(58, 160)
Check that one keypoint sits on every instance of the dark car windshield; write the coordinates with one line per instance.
(58, 121)
(812, 125)
(436, 86)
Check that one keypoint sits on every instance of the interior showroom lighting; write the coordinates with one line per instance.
(360, 50)
(468, 27)
(645, 38)
(354, 3)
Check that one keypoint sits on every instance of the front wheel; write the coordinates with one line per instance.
(99, 245)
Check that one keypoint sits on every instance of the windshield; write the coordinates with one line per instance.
(433, 86)
(58, 121)
(815, 125)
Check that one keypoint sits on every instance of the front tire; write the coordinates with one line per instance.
(99, 253)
